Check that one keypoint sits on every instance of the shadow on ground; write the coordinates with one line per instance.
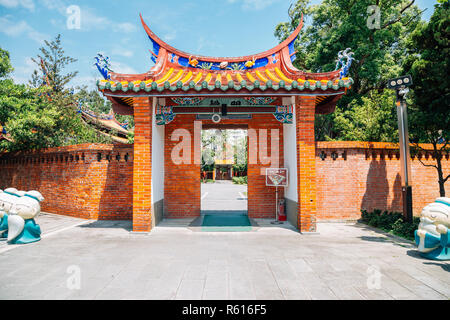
(389, 238)
(110, 224)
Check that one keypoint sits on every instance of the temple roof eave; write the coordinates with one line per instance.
(152, 88)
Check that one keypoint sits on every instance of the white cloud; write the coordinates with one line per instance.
(122, 52)
(170, 36)
(80, 81)
(124, 27)
(254, 4)
(22, 73)
(89, 20)
(119, 67)
(12, 28)
(55, 5)
(27, 4)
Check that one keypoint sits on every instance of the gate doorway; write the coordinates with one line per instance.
(223, 177)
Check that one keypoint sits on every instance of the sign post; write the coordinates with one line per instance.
(276, 177)
(400, 85)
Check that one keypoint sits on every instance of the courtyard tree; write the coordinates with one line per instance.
(39, 117)
(51, 64)
(428, 63)
(376, 31)
(5, 63)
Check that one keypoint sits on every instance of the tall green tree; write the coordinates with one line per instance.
(371, 118)
(51, 63)
(40, 117)
(5, 63)
(378, 44)
(428, 63)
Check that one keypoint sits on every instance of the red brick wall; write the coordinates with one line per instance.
(142, 169)
(306, 170)
(261, 199)
(369, 179)
(182, 182)
(73, 181)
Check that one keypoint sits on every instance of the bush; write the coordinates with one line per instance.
(391, 222)
(240, 180)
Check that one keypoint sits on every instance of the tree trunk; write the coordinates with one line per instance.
(441, 176)
(441, 181)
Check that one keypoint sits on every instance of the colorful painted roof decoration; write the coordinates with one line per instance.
(180, 73)
(106, 124)
(3, 134)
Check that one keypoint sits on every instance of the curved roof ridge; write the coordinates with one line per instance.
(269, 52)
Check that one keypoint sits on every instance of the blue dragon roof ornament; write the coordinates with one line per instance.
(345, 66)
(103, 66)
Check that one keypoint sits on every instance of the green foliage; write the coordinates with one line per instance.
(240, 180)
(371, 118)
(207, 167)
(44, 116)
(98, 104)
(51, 63)
(130, 137)
(5, 63)
(93, 100)
(334, 25)
(240, 156)
(391, 222)
(39, 118)
(428, 63)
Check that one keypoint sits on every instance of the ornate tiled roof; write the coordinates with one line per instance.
(180, 73)
(106, 124)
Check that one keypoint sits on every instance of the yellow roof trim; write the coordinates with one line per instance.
(208, 78)
(176, 77)
(187, 77)
(165, 77)
(260, 76)
(282, 76)
(198, 77)
(239, 77)
(250, 77)
(272, 76)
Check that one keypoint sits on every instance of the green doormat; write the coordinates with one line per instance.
(226, 223)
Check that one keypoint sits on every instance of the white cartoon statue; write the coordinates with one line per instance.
(7, 199)
(432, 237)
(19, 209)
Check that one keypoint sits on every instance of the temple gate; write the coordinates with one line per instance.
(264, 93)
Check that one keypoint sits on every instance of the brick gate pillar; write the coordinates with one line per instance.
(306, 163)
(142, 168)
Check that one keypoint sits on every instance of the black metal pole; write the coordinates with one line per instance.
(404, 154)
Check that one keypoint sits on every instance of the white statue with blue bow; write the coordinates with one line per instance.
(18, 209)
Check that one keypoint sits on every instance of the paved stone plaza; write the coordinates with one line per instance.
(178, 261)
(223, 195)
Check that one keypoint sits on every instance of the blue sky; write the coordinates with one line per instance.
(207, 27)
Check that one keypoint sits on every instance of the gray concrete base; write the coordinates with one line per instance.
(291, 211)
(157, 212)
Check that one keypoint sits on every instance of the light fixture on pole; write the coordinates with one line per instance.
(400, 85)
